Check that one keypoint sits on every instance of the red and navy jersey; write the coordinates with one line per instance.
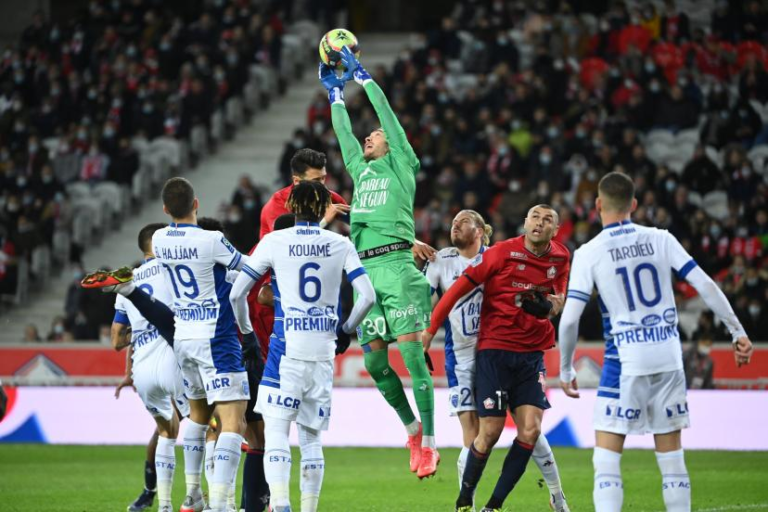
(276, 207)
(508, 269)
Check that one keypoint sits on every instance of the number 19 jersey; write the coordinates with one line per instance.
(196, 262)
(631, 266)
(307, 264)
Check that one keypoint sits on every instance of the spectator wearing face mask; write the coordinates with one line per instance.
(58, 329)
(698, 364)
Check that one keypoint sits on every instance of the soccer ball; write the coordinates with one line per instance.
(332, 43)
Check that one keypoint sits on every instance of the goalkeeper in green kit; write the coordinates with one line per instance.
(382, 229)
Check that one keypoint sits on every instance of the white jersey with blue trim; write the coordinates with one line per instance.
(196, 263)
(463, 323)
(307, 263)
(631, 266)
(147, 342)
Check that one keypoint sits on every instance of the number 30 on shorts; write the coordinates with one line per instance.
(375, 326)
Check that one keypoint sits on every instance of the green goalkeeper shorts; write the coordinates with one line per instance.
(403, 302)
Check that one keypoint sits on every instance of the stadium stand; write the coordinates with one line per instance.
(98, 110)
(509, 106)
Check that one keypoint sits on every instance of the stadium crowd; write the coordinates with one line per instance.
(508, 106)
(81, 99)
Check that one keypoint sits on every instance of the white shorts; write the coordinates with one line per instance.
(301, 393)
(461, 396)
(644, 404)
(212, 369)
(159, 384)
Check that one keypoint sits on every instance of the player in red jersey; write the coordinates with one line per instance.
(525, 282)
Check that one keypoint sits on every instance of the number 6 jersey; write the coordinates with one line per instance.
(631, 266)
(196, 262)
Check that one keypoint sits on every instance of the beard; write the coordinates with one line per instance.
(460, 242)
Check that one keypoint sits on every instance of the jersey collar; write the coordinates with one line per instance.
(183, 225)
(147, 260)
(307, 223)
(617, 224)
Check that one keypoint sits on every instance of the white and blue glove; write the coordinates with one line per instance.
(354, 67)
(333, 83)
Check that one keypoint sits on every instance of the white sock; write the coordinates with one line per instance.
(194, 451)
(428, 442)
(277, 460)
(312, 467)
(125, 289)
(231, 505)
(210, 446)
(608, 494)
(545, 460)
(461, 463)
(675, 484)
(225, 463)
(165, 464)
(413, 427)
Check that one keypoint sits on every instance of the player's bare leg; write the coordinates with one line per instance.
(545, 460)
(528, 431)
(675, 482)
(412, 350)
(608, 494)
(488, 435)
(227, 452)
(376, 360)
(194, 451)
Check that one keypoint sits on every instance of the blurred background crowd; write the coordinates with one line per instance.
(507, 104)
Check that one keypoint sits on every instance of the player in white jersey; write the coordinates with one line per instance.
(470, 236)
(307, 264)
(153, 368)
(642, 389)
(206, 341)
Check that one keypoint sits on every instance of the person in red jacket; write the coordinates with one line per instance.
(525, 279)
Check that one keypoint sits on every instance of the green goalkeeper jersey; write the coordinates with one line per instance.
(382, 205)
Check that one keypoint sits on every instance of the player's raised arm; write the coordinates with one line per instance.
(351, 152)
(393, 131)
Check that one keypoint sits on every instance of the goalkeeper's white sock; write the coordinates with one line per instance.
(210, 446)
(312, 467)
(194, 451)
(608, 494)
(545, 460)
(165, 464)
(277, 460)
(461, 463)
(675, 483)
(413, 428)
(226, 462)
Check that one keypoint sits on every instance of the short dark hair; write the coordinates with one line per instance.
(286, 220)
(306, 158)
(210, 224)
(616, 191)
(145, 235)
(178, 197)
(309, 200)
(545, 206)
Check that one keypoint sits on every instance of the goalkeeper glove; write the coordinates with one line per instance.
(251, 349)
(354, 67)
(342, 340)
(333, 83)
(536, 304)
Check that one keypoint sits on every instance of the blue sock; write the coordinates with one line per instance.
(156, 313)
(476, 462)
(513, 468)
(254, 482)
(150, 476)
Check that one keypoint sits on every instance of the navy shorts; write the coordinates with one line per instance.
(506, 380)
(254, 378)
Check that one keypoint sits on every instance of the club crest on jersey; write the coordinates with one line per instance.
(478, 260)
(489, 403)
(551, 273)
(521, 267)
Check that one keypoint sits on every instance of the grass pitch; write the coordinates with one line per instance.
(101, 478)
